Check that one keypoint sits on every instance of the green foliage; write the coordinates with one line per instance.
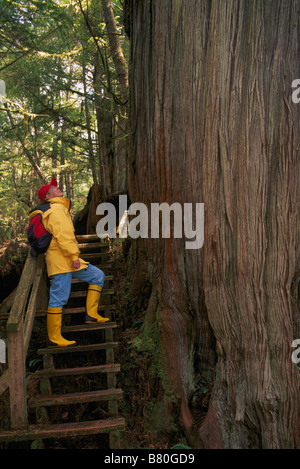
(34, 362)
(146, 362)
(147, 345)
(47, 52)
(180, 446)
(12, 256)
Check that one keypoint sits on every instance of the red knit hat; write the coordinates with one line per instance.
(44, 189)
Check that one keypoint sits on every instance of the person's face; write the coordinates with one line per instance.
(54, 191)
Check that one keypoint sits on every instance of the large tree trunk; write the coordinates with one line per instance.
(213, 121)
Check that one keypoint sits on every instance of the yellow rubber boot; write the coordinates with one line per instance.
(92, 302)
(54, 320)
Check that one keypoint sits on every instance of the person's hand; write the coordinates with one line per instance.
(76, 264)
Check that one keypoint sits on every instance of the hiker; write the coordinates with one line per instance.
(63, 263)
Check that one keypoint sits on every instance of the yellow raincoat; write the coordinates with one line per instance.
(63, 249)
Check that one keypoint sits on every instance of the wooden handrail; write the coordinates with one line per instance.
(31, 309)
(19, 304)
(19, 328)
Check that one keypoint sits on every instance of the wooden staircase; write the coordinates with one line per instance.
(94, 367)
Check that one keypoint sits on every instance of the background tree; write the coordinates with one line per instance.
(212, 121)
(65, 112)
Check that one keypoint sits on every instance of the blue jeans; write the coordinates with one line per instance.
(61, 284)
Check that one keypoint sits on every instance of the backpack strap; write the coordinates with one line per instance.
(42, 208)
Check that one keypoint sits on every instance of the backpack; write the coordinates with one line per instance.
(38, 237)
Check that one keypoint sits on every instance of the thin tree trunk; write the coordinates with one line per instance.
(213, 122)
(54, 152)
(115, 46)
(104, 91)
(88, 123)
(33, 158)
(62, 158)
(118, 171)
(104, 133)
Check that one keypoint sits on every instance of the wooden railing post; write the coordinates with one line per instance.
(16, 347)
(19, 327)
(17, 378)
(38, 291)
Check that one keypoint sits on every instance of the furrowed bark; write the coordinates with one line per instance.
(213, 122)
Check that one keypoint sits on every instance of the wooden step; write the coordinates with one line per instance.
(76, 398)
(82, 370)
(80, 310)
(95, 246)
(89, 256)
(90, 238)
(77, 348)
(81, 294)
(108, 278)
(90, 327)
(65, 430)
